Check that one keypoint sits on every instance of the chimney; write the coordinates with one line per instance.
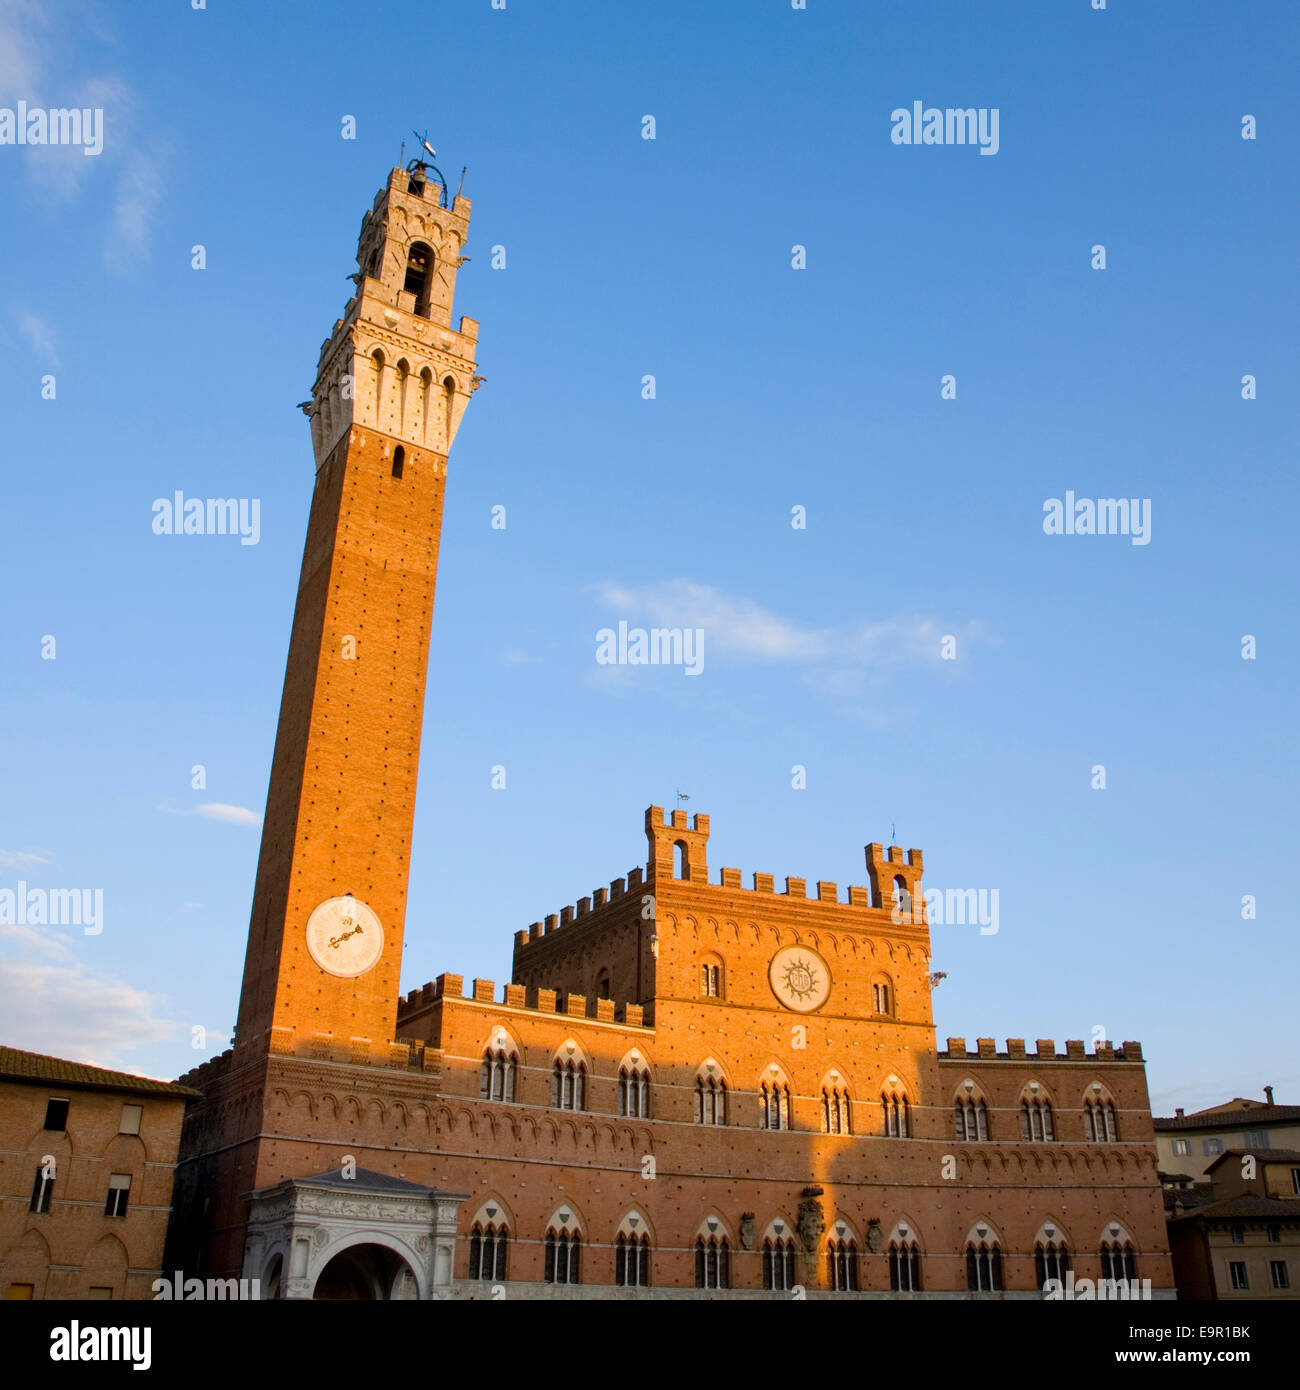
(1179, 1112)
(1268, 1094)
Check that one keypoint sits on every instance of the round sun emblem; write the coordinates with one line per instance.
(800, 978)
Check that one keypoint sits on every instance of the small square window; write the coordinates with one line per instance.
(1237, 1269)
(56, 1114)
(131, 1116)
(119, 1189)
(1275, 1234)
(1182, 1147)
(1213, 1146)
(1239, 1235)
(98, 1291)
(1281, 1275)
(23, 1292)
(1257, 1138)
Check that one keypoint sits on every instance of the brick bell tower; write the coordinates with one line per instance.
(329, 905)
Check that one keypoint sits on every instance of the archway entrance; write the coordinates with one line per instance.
(366, 1272)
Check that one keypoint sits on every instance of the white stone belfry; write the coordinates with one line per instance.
(394, 364)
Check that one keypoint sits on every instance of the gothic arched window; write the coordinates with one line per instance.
(904, 1266)
(774, 1099)
(882, 996)
(972, 1119)
(632, 1261)
(710, 1101)
(1036, 1120)
(1117, 1260)
(1099, 1122)
(1051, 1261)
(487, 1252)
(984, 1266)
(569, 1085)
(897, 1115)
(778, 1263)
(634, 1092)
(563, 1257)
(836, 1116)
(712, 1263)
(842, 1265)
(496, 1078)
(711, 979)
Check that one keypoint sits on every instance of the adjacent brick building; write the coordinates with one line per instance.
(689, 1084)
(86, 1164)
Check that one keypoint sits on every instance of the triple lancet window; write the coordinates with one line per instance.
(569, 1085)
(634, 1092)
(496, 1080)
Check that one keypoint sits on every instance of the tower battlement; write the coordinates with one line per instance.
(1044, 1050)
(522, 998)
(678, 855)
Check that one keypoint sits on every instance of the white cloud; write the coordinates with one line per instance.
(231, 815)
(738, 625)
(745, 629)
(52, 1003)
(139, 192)
(40, 337)
(23, 858)
(21, 65)
(128, 171)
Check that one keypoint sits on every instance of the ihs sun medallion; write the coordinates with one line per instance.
(800, 978)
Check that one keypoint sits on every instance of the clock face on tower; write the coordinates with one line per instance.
(800, 978)
(344, 936)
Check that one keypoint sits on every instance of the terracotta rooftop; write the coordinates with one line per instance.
(35, 1066)
(1259, 1116)
(1261, 1155)
(1247, 1207)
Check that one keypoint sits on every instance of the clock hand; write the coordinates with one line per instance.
(337, 941)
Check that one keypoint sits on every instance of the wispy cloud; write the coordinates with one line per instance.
(139, 191)
(746, 630)
(23, 858)
(40, 337)
(34, 67)
(51, 1002)
(22, 24)
(231, 815)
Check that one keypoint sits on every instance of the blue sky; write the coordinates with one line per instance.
(1120, 909)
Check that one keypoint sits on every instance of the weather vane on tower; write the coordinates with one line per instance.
(419, 162)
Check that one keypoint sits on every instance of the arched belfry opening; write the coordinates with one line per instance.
(419, 276)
